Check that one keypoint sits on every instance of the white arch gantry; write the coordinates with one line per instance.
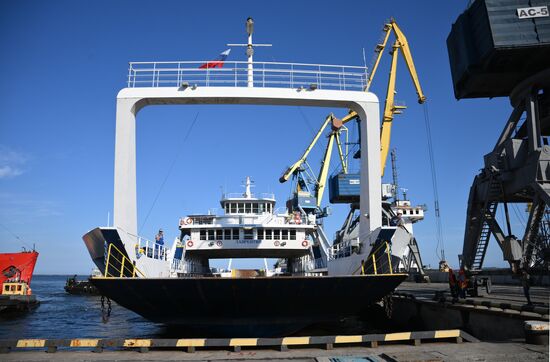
(131, 100)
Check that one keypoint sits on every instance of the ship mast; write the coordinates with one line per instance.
(250, 50)
(247, 185)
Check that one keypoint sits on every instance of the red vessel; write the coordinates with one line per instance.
(17, 267)
(15, 279)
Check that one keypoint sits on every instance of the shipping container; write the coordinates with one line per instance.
(344, 188)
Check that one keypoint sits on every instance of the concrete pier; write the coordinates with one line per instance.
(499, 316)
(425, 352)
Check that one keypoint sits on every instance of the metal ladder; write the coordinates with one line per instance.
(488, 212)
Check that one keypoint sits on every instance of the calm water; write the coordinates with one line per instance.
(61, 315)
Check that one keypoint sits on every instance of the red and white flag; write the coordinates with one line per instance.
(218, 62)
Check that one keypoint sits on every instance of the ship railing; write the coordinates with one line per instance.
(149, 248)
(304, 264)
(177, 265)
(307, 263)
(117, 265)
(342, 250)
(235, 74)
(237, 195)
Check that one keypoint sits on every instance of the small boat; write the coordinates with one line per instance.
(82, 287)
(16, 270)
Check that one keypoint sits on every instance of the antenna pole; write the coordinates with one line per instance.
(250, 51)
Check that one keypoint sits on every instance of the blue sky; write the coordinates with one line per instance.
(63, 62)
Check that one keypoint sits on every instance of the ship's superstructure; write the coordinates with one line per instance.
(251, 227)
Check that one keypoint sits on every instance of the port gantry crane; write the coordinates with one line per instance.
(400, 45)
(307, 201)
(496, 56)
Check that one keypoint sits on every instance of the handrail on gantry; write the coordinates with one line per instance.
(235, 74)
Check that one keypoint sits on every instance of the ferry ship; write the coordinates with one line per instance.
(177, 286)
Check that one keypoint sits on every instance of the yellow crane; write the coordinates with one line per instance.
(336, 127)
(400, 45)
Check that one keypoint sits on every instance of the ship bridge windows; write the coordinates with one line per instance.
(256, 208)
(248, 233)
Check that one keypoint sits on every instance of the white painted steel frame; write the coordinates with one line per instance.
(237, 74)
(131, 100)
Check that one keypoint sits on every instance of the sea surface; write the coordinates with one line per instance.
(62, 315)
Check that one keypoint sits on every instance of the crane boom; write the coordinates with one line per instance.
(406, 52)
(400, 45)
(323, 173)
(289, 171)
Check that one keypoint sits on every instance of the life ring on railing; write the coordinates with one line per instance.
(219, 243)
(276, 243)
(305, 243)
(188, 221)
(190, 243)
(297, 218)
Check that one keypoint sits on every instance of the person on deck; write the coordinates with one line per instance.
(159, 239)
(158, 251)
(462, 283)
(453, 285)
(397, 220)
(525, 279)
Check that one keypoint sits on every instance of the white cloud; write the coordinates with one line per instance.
(11, 162)
(8, 171)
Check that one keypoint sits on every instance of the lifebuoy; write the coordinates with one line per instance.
(190, 243)
(219, 243)
(297, 219)
(277, 243)
(188, 221)
(305, 243)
